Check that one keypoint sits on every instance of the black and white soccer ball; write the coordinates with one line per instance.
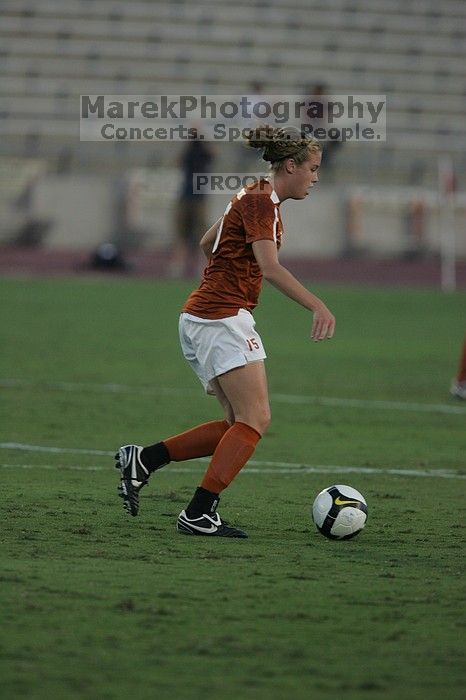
(339, 512)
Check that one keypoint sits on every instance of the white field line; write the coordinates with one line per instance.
(278, 398)
(371, 404)
(254, 466)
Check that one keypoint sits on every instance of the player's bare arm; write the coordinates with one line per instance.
(208, 239)
(265, 252)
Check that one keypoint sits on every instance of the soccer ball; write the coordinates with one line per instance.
(339, 512)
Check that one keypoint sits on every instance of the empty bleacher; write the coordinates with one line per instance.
(412, 50)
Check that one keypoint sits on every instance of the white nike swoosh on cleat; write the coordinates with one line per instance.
(212, 528)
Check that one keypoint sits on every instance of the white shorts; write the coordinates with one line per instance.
(215, 346)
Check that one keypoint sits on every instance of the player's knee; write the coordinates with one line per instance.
(263, 420)
(259, 420)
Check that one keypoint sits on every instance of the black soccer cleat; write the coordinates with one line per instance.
(207, 525)
(134, 476)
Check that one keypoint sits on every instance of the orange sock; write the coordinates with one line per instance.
(462, 368)
(200, 441)
(230, 456)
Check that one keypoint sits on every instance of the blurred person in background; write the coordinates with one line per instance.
(458, 385)
(318, 93)
(191, 209)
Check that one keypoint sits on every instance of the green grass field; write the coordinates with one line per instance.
(95, 604)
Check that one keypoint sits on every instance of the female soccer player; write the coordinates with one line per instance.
(218, 336)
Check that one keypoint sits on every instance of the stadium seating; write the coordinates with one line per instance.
(411, 50)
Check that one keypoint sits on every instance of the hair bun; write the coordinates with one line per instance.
(261, 136)
(279, 143)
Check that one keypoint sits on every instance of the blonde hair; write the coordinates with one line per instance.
(279, 144)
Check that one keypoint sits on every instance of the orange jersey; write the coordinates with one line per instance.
(232, 279)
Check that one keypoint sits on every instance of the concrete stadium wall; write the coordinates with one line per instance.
(79, 208)
(82, 211)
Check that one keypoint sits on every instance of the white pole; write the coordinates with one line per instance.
(447, 223)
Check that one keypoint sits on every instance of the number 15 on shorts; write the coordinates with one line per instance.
(252, 344)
